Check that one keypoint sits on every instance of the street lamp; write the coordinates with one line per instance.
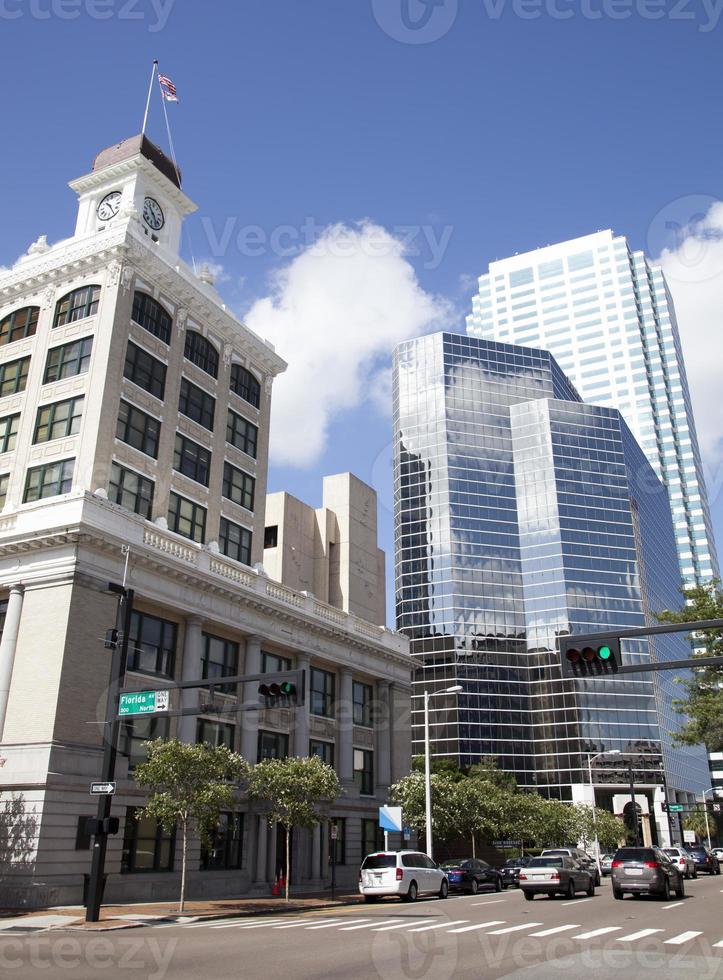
(705, 811)
(590, 760)
(427, 775)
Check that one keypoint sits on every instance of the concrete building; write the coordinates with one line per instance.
(330, 551)
(523, 514)
(134, 416)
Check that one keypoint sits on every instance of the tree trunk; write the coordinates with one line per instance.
(474, 853)
(288, 860)
(184, 829)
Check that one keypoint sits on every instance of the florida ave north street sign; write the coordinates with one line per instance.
(143, 702)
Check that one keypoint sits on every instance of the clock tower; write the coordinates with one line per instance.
(133, 181)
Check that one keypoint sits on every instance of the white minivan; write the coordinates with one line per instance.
(405, 874)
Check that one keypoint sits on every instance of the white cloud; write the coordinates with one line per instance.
(335, 313)
(694, 271)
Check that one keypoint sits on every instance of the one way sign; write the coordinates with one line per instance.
(102, 789)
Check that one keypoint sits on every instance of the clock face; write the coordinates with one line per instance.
(109, 206)
(153, 214)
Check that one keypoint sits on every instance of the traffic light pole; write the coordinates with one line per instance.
(635, 805)
(110, 734)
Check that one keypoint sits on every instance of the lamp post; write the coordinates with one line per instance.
(590, 760)
(705, 811)
(427, 774)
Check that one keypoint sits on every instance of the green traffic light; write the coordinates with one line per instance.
(287, 688)
(605, 653)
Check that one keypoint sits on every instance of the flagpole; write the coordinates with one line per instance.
(148, 100)
(168, 130)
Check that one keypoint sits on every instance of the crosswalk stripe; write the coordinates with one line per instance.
(718, 945)
(298, 925)
(495, 901)
(242, 924)
(367, 925)
(479, 925)
(526, 925)
(551, 932)
(333, 922)
(441, 925)
(403, 925)
(684, 937)
(598, 932)
(576, 901)
(637, 935)
(675, 905)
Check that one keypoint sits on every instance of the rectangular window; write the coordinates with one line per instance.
(322, 750)
(220, 659)
(242, 434)
(583, 260)
(49, 480)
(196, 404)
(271, 536)
(363, 695)
(364, 771)
(337, 846)
(14, 376)
(273, 745)
(4, 482)
(145, 371)
(138, 429)
(58, 420)
(9, 432)
(224, 849)
(68, 360)
(146, 845)
(135, 731)
(520, 278)
(322, 693)
(152, 645)
(372, 837)
(234, 541)
(238, 486)
(548, 269)
(130, 490)
(215, 733)
(272, 663)
(192, 460)
(187, 518)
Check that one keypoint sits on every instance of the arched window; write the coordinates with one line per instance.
(201, 352)
(245, 385)
(19, 324)
(77, 305)
(149, 314)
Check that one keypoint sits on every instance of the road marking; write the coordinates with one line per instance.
(334, 922)
(718, 945)
(575, 901)
(495, 901)
(298, 925)
(254, 924)
(368, 925)
(441, 925)
(598, 932)
(480, 925)
(637, 935)
(684, 937)
(402, 925)
(551, 932)
(675, 905)
(526, 925)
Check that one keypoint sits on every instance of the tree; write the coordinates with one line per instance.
(408, 793)
(696, 821)
(291, 791)
(521, 817)
(190, 785)
(610, 830)
(703, 704)
(478, 809)
(488, 770)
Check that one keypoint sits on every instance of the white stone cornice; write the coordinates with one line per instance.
(132, 165)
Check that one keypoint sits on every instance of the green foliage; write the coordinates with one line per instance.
(439, 767)
(695, 821)
(488, 771)
(408, 793)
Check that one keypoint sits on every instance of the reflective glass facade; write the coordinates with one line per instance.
(521, 513)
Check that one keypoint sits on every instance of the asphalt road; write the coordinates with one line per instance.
(485, 936)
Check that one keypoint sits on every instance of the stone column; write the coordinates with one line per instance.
(316, 852)
(192, 656)
(300, 715)
(262, 838)
(250, 719)
(346, 729)
(8, 645)
(383, 740)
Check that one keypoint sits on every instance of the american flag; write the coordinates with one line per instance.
(168, 89)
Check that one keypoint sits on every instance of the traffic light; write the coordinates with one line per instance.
(284, 690)
(111, 639)
(93, 827)
(589, 659)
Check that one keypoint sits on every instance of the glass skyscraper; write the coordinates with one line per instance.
(606, 314)
(522, 513)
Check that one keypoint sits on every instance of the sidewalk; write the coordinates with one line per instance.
(131, 916)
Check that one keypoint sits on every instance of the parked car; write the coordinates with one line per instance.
(718, 851)
(405, 874)
(606, 864)
(645, 871)
(684, 860)
(704, 859)
(471, 874)
(555, 875)
(510, 870)
(577, 854)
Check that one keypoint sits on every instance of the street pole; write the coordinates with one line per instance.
(665, 797)
(705, 811)
(594, 815)
(635, 806)
(111, 730)
(427, 778)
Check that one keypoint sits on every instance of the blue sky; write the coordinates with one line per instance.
(489, 128)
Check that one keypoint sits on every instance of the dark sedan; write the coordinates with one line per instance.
(510, 870)
(471, 874)
(704, 859)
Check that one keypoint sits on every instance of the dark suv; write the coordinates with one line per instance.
(645, 871)
(704, 859)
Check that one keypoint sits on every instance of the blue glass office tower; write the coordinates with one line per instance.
(522, 513)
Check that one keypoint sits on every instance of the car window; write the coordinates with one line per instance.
(427, 862)
(408, 860)
(559, 850)
(375, 861)
(482, 865)
(545, 862)
(671, 850)
(635, 854)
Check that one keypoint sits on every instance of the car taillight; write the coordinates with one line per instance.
(523, 876)
(556, 876)
(616, 864)
(652, 864)
(360, 877)
(400, 874)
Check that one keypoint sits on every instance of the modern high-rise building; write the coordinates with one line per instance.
(607, 316)
(522, 513)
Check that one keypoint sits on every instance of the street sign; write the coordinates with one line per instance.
(507, 843)
(102, 789)
(689, 836)
(407, 833)
(390, 818)
(675, 807)
(143, 702)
